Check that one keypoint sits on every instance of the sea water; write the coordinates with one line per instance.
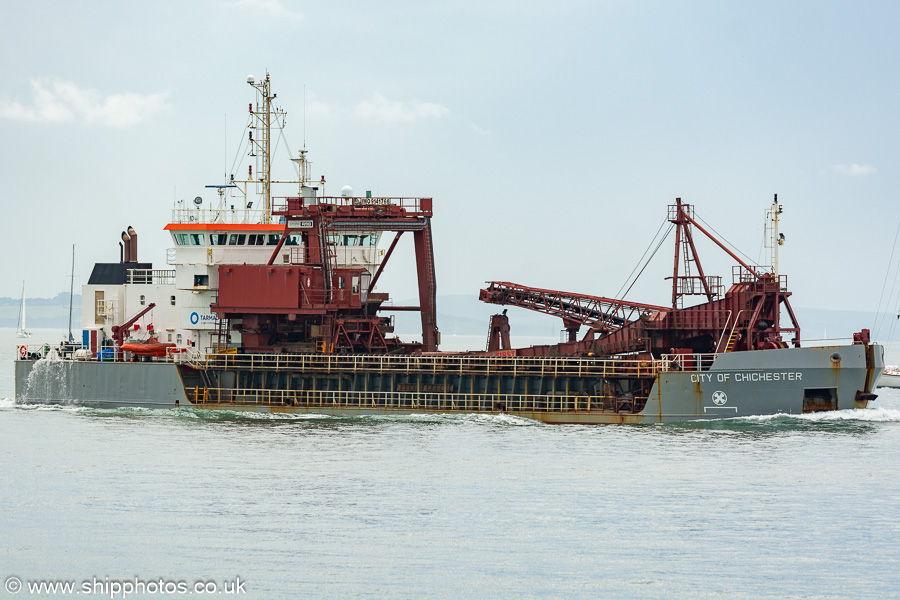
(462, 506)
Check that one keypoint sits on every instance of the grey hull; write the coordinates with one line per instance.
(767, 382)
(99, 384)
(737, 384)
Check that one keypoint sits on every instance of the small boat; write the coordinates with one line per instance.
(891, 377)
(20, 328)
(149, 347)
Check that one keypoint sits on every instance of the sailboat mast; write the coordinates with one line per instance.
(71, 292)
(21, 327)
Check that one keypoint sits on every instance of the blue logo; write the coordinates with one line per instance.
(195, 318)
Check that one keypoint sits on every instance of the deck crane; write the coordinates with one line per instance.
(118, 331)
(601, 315)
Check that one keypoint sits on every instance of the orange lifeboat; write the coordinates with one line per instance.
(148, 347)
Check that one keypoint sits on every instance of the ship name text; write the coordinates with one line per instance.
(370, 201)
(740, 377)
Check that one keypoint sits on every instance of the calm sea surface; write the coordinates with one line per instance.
(448, 506)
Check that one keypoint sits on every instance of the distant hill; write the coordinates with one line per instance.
(466, 315)
(42, 312)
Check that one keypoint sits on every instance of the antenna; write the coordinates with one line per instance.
(71, 294)
(776, 239)
(304, 117)
(225, 147)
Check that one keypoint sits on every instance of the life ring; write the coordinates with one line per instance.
(23, 351)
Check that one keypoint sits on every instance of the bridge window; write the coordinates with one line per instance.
(237, 239)
(255, 239)
(218, 239)
(293, 240)
(273, 239)
(350, 240)
(368, 240)
(181, 239)
(196, 239)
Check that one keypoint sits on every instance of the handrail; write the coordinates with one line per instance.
(719, 343)
(688, 362)
(434, 364)
(150, 276)
(439, 363)
(417, 401)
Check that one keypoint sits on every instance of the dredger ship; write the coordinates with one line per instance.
(274, 308)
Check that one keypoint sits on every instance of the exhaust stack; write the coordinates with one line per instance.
(133, 235)
(126, 241)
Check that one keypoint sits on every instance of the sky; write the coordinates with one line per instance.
(551, 135)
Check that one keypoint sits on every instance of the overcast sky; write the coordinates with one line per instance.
(552, 135)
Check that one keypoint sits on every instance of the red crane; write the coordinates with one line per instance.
(118, 331)
(598, 313)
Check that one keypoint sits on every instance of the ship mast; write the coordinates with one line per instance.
(71, 293)
(775, 239)
(264, 116)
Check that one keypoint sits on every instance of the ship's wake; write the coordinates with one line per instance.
(871, 415)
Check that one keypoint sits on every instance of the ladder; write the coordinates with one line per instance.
(732, 340)
(735, 333)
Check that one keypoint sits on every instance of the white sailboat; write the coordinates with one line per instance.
(20, 329)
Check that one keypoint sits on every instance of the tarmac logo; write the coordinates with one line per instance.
(205, 318)
(719, 398)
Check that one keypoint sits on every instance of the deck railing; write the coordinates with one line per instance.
(413, 401)
(688, 362)
(436, 364)
(150, 276)
(442, 364)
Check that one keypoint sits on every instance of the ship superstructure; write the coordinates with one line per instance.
(263, 272)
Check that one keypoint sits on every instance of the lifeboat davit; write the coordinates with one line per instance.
(148, 347)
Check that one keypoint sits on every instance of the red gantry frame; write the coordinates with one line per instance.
(746, 317)
(312, 302)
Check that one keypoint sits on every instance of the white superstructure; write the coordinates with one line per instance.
(239, 229)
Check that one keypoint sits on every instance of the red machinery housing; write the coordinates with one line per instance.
(313, 304)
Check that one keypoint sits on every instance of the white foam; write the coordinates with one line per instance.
(872, 415)
(47, 381)
(474, 418)
(224, 414)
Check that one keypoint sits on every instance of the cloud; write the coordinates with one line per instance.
(62, 101)
(273, 7)
(379, 108)
(853, 169)
(318, 109)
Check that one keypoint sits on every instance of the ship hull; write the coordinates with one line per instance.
(99, 384)
(788, 381)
